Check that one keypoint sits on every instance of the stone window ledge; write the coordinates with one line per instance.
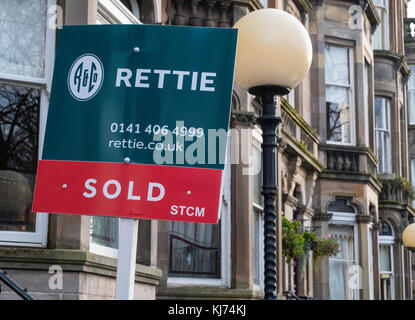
(195, 292)
(71, 261)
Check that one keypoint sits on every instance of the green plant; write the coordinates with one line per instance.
(406, 185)
(309, 240)
(302, 145)
(299, 245)
(292, 240)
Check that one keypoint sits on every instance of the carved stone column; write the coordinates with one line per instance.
(293, 168)
(179, 18)
(224, 15)
(194, 19)
(209, 21)
(310, 185)
(321, 272)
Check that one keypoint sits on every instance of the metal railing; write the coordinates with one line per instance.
(294, 125)
(22, 293)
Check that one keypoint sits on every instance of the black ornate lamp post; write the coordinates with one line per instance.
(273, 56)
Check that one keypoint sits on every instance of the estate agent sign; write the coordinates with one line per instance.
(137, 122)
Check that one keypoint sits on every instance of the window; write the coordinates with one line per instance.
(194, 250)
(343, 266)
(339, 95)
(258, 212)
(104, 234)
(366, 96)
(386, 241)
(411, 9)
(383, 134)
(339, 265)
(411, 95)
(380, 39)
(26, 60)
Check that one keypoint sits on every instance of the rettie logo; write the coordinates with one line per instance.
(85, 77)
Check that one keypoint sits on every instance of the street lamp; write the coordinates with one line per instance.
(408, 237)
(273, 56)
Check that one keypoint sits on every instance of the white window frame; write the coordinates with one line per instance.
(39, 237)
(348, 219)
(101, 249)
(291, 98)
(384, 25)
(411, 107)
(389, 241)
(351, 90)
(225, 236)
(114, 12)
(388, 164)
(366, 97)
(259, 210)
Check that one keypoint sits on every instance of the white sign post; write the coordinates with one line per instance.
(127, 252)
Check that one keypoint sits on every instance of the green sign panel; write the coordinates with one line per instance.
(142, 92)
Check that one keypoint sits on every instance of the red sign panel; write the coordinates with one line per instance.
(128, 190)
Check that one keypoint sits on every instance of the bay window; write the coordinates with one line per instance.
(26, 61)
(383, 134)
(339, 95)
